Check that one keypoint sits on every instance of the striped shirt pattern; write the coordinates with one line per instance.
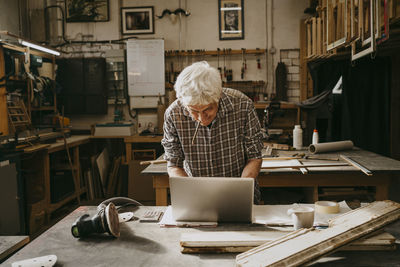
(221, 150)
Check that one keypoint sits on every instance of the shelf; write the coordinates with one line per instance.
(283, 105)
(54, 206)
(43, 108)
(221, 52)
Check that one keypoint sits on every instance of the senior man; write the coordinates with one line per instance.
(210, 131)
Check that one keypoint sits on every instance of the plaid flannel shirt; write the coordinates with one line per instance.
(221, 150)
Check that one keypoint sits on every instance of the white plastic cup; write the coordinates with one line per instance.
(303, 217)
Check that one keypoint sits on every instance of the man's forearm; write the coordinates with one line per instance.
(252, 168)
(176, 172)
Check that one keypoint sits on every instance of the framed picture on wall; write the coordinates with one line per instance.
(137, 20)
(231, 19)
(87, 11)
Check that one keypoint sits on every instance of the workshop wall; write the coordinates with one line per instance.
(269, 24)
(12, 10)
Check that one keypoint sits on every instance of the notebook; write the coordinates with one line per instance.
(212, 199)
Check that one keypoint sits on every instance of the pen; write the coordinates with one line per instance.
(195, 133)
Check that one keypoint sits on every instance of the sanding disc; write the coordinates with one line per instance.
(112, 219)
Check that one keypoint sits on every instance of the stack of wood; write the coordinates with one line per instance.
(359, 229)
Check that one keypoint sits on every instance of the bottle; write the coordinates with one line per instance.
(315, 137)
(297, 137)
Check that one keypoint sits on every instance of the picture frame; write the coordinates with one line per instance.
(137, 20)
(87, 11)
(231, 19)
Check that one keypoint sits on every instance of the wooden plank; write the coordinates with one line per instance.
(10, 244)
(314, 35)
(306, 245)
(241, 241)
(356, 165)
(319, 37)
(306, 166)
(35, 148)
(309, 40)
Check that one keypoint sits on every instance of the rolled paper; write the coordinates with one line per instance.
(331, 146)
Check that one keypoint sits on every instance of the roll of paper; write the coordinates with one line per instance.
(331, 146)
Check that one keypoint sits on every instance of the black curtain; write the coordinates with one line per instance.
(325, 74)
(362, 112)
(366, 104)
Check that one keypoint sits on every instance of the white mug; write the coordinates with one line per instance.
(303, 217)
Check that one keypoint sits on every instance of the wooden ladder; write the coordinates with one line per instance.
(17, 115)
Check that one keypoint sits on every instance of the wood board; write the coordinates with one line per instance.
(236, 242)
(306, 245)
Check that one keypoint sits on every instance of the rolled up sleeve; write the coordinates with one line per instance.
(173, 152)
(253, 135)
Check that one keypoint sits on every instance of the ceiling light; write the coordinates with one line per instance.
(39, 47)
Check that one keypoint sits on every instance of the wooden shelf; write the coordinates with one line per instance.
(222, 52)
(54, 206)
(283, 105)
(43, 108)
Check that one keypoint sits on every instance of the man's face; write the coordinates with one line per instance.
(204, 114)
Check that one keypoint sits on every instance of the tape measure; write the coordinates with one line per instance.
(327, 207)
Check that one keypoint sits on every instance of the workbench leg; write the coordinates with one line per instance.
(76, 170)
(315, 193)
(128, 152)
(46, 172)
(161, 197)
(382, 192)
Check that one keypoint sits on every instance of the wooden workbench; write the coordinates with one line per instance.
(383, 169)
(147, 244)
(37, 162)
(130, 140)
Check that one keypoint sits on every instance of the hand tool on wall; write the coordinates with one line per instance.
(190, 54)
(243, 64)
(258, 59)
(172, 78)
(219, 68)
(229, 75)
(224, 63)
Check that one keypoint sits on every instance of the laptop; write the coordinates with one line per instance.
(212, 199)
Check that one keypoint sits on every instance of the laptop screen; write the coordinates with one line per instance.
(212, 199)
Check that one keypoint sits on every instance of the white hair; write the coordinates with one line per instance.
(199, 84)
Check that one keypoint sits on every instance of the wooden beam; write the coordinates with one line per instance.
(241, 241)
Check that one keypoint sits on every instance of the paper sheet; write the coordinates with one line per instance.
(276, 215)
(271, 215)
(169, 221)
(280, 163)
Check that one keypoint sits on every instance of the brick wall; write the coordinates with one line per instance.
(291, 58)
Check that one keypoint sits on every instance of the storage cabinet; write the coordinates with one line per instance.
(83, 82)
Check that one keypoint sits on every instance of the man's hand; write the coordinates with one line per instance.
(176, 172)
(252, 168)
